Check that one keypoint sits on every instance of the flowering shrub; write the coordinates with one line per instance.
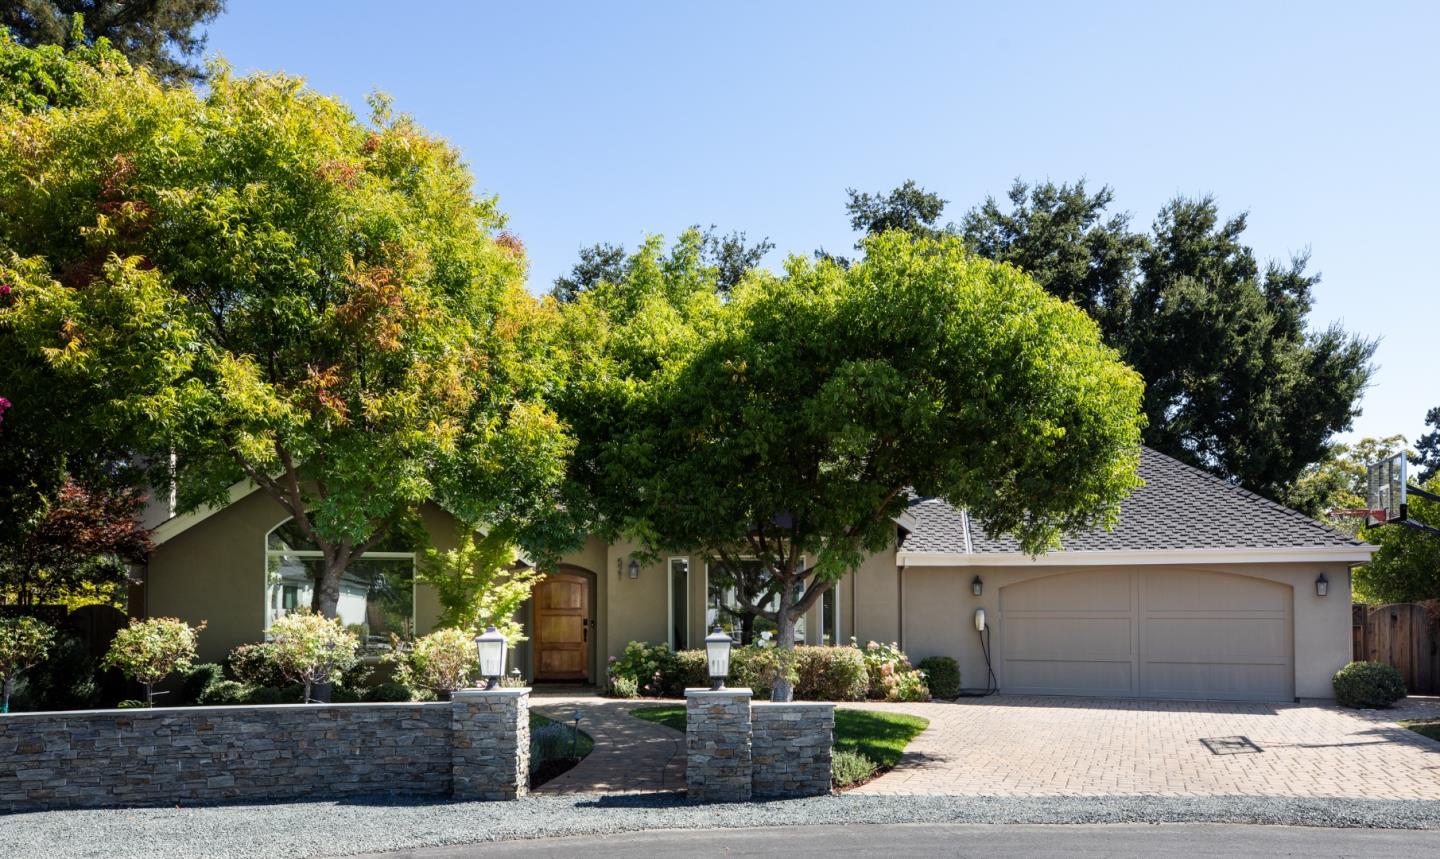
(650, 666)
(311, 649)
(891, 676)
(830, 674)
(24, 643)
(150, 650)
(443, 661)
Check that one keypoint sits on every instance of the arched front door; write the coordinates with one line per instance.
(562, 628)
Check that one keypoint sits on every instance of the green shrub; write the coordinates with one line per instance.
(151, 650)
(223, 692)
(131, 704)
(270, 695)
(198, 679)
(848, 768)
(942, 675)
(443, 661)
(1368, 684)
(651, 666)
(24, 643)
(830, 674)
(689, 670)
(254, 665)
(389, 692)
(313, 650)
(755, 667)
(624, 687)
(345, 695)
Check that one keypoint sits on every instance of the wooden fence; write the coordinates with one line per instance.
(1403, 635)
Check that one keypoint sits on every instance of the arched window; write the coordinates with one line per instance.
(377, 590)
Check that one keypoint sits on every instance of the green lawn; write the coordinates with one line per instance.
(1424, 728)
(881, 737)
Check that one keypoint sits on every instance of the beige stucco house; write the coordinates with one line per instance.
(1203, 591)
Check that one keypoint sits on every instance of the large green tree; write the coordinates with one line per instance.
(1427, 447)
(1236, 381)
(789, 423)
(731, 255)
(253, 278)
(159, 34)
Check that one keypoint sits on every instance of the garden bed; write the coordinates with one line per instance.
(550, 760)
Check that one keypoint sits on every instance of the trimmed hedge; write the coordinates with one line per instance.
(830, 674)
(942, 675)
(1368, 684)
(819, 673)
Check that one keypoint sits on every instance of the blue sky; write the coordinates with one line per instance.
(605, 122)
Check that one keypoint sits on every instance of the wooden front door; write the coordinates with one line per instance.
(562, 628)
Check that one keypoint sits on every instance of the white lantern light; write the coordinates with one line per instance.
(717, 657)
(491, 649)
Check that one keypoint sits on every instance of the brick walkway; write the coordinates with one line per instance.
(630, 755)
(1042, 746)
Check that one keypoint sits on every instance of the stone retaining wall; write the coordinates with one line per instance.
(790, 748)
(183, 755)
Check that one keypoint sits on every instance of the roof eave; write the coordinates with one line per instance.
(1284, 555)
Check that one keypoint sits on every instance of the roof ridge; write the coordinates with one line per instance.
(1255, 496)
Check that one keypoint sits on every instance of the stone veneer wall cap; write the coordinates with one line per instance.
(52, 715)
(791, 705)
(707, 692)
(503, 692)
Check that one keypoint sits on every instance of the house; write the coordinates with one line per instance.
(1202, 591)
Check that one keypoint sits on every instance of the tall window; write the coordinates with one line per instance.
(723, 607)
(377, 590)
(679, 603)
(830, 616)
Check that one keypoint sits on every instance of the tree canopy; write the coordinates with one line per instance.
(1427, 448)
(1236, 381)
(158, 34)
(788, 423)
(253, 278)
(731, 255)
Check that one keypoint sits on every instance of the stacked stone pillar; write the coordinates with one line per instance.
(717, 745)
(736, 749)
(490, 743)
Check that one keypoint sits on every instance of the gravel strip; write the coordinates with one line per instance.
(359, 826)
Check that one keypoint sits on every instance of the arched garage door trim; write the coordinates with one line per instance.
(1148, 632)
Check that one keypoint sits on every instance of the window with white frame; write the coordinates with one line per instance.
(377, 590)
(722, 606)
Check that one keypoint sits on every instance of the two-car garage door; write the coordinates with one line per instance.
(1148, 633)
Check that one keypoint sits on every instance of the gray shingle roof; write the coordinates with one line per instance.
(1179, 507)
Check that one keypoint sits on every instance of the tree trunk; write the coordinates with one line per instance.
(784, 690)
(149, 694)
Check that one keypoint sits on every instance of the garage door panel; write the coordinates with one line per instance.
(1069, 677)
(1198, 591)
(1212, 680)
(1108, 639)
(1154, 633)
(1071, 594)
(1216, 639)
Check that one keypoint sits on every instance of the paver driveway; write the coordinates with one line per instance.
(1043, 746)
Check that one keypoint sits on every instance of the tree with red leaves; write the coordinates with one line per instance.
(85, 538)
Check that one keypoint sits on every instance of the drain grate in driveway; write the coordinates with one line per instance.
(1231, 746)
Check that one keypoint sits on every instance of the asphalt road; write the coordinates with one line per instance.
(978, 840)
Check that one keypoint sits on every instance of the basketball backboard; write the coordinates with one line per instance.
(1385, 490)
